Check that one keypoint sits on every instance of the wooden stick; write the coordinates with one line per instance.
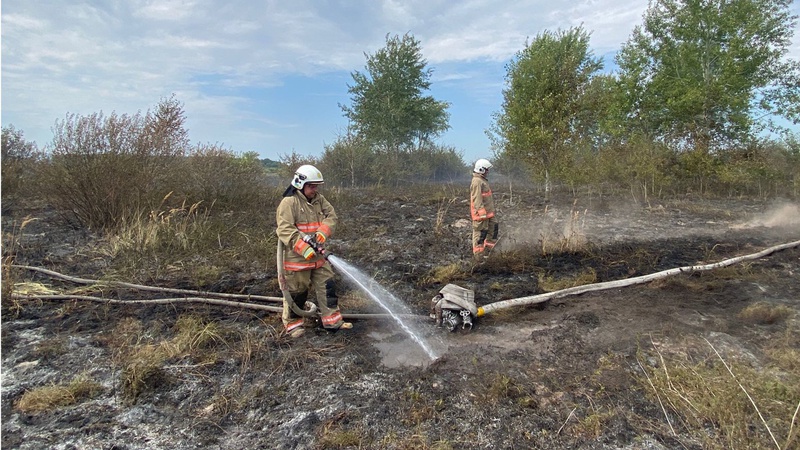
(147, 288)
(211, 301)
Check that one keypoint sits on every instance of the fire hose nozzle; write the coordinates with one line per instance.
(311, 240)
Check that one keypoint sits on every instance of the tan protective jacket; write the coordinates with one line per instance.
(296, 216)
(481, 202)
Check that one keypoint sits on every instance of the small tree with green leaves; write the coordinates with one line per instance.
(389, 108)
(550, 101)
(701, 75)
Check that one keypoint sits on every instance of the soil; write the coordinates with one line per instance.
(524, 377)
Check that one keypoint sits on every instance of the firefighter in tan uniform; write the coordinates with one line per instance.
(306, 220)
(481, 203)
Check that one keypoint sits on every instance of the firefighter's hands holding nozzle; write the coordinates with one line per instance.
(313, 245)
(320, 237)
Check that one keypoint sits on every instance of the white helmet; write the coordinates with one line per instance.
(482, 165)
(306, 174)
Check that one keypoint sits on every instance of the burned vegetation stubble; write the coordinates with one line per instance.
(561, 374)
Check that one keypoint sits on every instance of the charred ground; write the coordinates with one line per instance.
(569, 373)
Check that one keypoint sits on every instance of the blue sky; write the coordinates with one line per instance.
(268, 76)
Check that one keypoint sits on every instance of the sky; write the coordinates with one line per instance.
(267, 75)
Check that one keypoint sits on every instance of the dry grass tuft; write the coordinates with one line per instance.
(720, 403)
(334, 433)
(441, 214)
(592, 425)
(143, 360)
(569, 236)
(47, 398)
(194, 333)
(445, 274)
(142, 368)
(11, 244)
(764, 313)
(550, 284)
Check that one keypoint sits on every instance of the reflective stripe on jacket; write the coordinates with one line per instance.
(481, 202)
(296, 216)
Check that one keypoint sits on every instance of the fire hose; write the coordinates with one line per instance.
(287, 297)
(534, 299)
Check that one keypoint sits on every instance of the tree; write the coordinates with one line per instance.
(550, 101)
(701, 74)
(389, 108)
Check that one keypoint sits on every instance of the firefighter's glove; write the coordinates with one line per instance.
(482, 213)
(309, 253)
(304, 249)
(323, 233)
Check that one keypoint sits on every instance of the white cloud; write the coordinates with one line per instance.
(85, 56)
(167, 10)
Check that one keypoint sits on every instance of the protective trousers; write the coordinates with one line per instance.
(484, 235)
(321, 282)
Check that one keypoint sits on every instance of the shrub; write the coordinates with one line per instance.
(104, 169)
(214, 175)
(19, 158)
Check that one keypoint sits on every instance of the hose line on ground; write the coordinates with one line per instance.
(533, 299)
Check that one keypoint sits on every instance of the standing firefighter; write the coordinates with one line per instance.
(306, 220)
(481, 203)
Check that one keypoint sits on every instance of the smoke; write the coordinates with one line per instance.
(786, 215)
(558, 228)
(551, 230)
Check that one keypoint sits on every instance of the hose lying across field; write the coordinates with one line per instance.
(533, 299)
(247, 300)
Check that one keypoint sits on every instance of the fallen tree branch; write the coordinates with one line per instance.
(533, 299)
(154, 301)
(206, 300)
(142, 287)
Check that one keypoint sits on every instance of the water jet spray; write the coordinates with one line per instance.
(372, 289)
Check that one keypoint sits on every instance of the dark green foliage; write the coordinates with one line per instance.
(552, 102)
(389, 107)
(701, 74)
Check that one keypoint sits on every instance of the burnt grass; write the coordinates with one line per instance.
(560, 374)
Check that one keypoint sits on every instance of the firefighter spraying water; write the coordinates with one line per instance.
(305, 222)
(370, 287)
